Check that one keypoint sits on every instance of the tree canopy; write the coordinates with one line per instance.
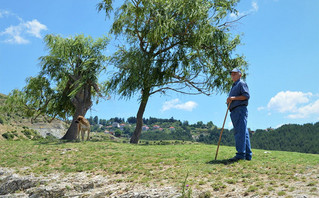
(179, 45)
(67, 82)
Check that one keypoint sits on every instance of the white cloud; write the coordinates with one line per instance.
(4, 13)
(254, 8)
(34, 27)
(288, 101)
(19, 34)
(306, 111)
(177, 104)
(297, 105)
(14, 34)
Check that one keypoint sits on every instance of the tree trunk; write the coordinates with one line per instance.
(139, 118)
(71, 134)
(82, 103)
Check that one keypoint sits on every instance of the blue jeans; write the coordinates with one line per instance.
(239, 119)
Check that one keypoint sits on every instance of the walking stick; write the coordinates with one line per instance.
(220, 136)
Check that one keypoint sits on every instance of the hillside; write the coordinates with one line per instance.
(291, 137)
(100, 168)
(109, 169)
(15, 123)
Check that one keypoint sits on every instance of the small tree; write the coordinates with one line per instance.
(179, 45)
(67, 83)
(96, 120)
(118, 133)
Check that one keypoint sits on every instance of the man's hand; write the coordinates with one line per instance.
(230, 99)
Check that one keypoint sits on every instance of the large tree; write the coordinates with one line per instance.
(180, 45)
(67, 83)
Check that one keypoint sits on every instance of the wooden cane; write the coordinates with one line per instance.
(220, 136)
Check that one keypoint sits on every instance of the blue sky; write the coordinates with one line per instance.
(280, 41)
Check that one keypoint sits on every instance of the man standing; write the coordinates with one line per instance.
(238, 99)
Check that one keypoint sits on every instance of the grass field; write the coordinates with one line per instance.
(189, 167)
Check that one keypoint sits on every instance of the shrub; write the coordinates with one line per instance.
(27, 133)
(118, 133)
(281, 193)
(51, 137)
(8, 135)
(31, 134)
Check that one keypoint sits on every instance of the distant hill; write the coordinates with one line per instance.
(290, 137)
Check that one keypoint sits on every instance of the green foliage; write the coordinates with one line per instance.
(9, 135)
(217, 186)
(28, 133)
(291, 137)
(297, 138)
(177, 134)
(174, 42)
(118, 133)
(186, 191)
(31, 134)
(68, 76)
(281, 193)
(174, 45)
(96, 120)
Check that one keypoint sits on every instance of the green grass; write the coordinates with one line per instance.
(159, 165)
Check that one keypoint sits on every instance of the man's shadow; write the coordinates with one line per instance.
(225, 162)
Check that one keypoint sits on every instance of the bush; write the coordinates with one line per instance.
(1, 120)
(31, 134)
(8, 135)
(118, 133)
(51, 137)
(27, 133)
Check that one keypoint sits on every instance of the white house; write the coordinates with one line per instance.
(116, 124)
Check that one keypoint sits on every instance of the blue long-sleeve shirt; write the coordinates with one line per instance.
(239, 88)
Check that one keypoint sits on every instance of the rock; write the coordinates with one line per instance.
(47, 192)
(56, 128)
(74, 185)
(13, 183)
(152, 193)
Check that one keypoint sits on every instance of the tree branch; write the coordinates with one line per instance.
(176, 90)
(177, 43)
(192, 84)
(230, 22)
(167, 48)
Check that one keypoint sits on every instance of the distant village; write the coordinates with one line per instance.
(127, 126)
(115, 125)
